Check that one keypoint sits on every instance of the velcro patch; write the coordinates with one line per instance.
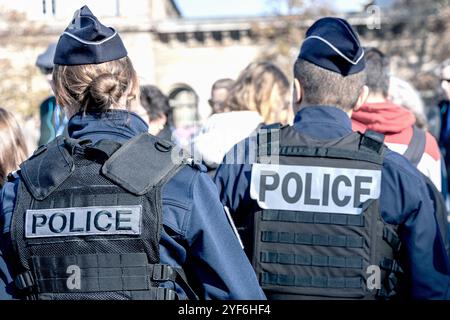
(83, 221)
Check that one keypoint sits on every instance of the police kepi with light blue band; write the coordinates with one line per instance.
(87, 41)
(332, 44)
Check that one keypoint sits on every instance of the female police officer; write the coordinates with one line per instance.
(83, 218)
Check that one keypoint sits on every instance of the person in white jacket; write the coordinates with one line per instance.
(259, 96)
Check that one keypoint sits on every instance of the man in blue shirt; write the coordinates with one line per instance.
(337, 215)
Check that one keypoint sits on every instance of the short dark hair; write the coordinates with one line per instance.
(222, 84)
(377, 71)
(155, 103)
(324, 87)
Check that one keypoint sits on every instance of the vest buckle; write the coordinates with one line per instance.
(163, 272)
(24, 281)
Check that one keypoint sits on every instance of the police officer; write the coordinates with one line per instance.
(327, 213)
(111, 212)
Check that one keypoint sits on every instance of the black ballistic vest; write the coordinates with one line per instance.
(87, 221)
(322, 253)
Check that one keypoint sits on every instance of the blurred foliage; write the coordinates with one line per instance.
(285, 35)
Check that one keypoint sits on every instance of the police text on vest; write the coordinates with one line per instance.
(313, 189)
(83, 221)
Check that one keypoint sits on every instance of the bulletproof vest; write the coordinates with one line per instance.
(87, 221)
(318, 233)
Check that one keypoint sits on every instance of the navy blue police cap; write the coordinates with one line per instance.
(45, 59)
(87, 41)
(332, 44)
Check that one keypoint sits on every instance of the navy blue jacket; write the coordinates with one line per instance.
(404, 201)
(195, 234)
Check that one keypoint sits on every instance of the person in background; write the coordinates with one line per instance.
(52, 117)
(259, 96)
(219, 93)
(13, 148)
(396, 122)
(159, 112)
(403, 94)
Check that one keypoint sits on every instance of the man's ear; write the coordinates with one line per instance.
(297, 92)
(362, 98)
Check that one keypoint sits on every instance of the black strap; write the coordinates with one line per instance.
(313, 217)
(391, 237)
(312, 239)
(311, 260)
(12, 176)
(182, 281)
(154, 294)
(264, 139)
(372, 141)
(331, 153)
(390, 265)
(416, 146)
(309, 281)
(389, 288)
(102, 150)
(24, 281)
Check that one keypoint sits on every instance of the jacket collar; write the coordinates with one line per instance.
(117, 125)
(322, 122)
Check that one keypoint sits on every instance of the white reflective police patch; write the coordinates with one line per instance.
(314, 189)
(83, 221)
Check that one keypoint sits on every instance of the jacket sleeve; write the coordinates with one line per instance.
(7, 199)
(233, 184)
(406, 202)
(216, 255)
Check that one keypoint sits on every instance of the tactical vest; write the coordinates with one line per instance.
(87, 221)
(319, 233)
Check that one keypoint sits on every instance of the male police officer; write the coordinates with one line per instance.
(106, 214)
(327, 213)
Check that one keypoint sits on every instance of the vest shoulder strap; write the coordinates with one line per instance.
(367, 147)
(272, 126)
(137, 166)
(416, 146)
(372, 141)
(39, 177)
(142, 163)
